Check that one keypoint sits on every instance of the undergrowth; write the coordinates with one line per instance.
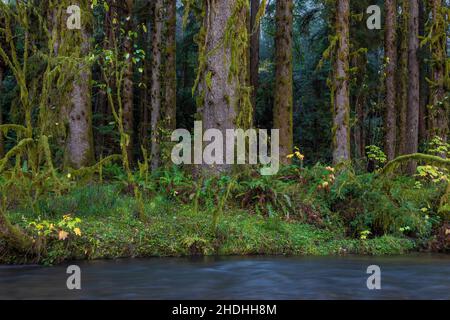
(299, 211)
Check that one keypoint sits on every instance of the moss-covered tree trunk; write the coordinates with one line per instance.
(254, 51)
(2, 141)
(144, 103)
(423, 70)
(76, 43)
(283, 108)
(402, 82)
(223, 66)
(170, 101)
(438, 104)
(127, 91)
(412, 142)
(156, 85)
(14, 237)
(341, 105)
(390, 47)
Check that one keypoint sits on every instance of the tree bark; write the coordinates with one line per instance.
(390, 47)
(2, 141)
(359, 101)
(341, 130)
(170, 64)
(412, 144)
(144, 94)
(127, 91)
(156, 86)
(254, 53)
(423, 84)
(80, 144)
(439, 106)
(283, 108)
(219, 87)
(403, 74)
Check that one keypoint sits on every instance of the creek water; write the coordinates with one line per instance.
(418, 276)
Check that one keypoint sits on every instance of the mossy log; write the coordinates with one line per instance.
(14, 237)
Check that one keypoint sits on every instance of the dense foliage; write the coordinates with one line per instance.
(86, 117)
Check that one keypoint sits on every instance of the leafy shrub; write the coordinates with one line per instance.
(371, 203)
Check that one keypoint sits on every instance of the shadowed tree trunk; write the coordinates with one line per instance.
(79, 145)
(341, 129)
(423, 70)
(359, 102)
(254, 52)
(402, 89)
(127, 91)
(412, 144)
(438, 105)
(283, 108)
(2, 141)
(104, 143)
(170, 64)
(390, 47)
(146, 79)
(156, 85)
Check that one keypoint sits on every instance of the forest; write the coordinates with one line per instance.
(92, 91)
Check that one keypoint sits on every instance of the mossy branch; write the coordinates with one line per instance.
(392, 165)
(14, 127)
(16, 150)
(90, 170)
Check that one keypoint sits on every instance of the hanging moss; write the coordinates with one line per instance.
(236, 39)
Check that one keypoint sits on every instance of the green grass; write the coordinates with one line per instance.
(110, 229)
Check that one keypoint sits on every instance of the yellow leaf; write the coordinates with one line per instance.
(62, 235)
(77, 231)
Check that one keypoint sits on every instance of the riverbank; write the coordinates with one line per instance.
(299, 212)
(183, 232)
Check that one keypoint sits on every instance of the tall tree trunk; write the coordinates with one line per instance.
(423, 84)
(402, 89)
(283, 108)
(145, 103)
(412, 144)
(156, 85)
(170, 66)
(220, 82)
(254, 52)
(127, 91)
(80, 142)
(104, 142)
(341, 130)
(390, 47)
(2, 141)
(359, 100)
(439, 106)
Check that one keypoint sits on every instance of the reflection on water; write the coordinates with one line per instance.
(404, 277)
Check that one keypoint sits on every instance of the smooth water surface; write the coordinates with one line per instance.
(402, 277)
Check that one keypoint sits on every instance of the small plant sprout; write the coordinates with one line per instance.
(365, 234)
